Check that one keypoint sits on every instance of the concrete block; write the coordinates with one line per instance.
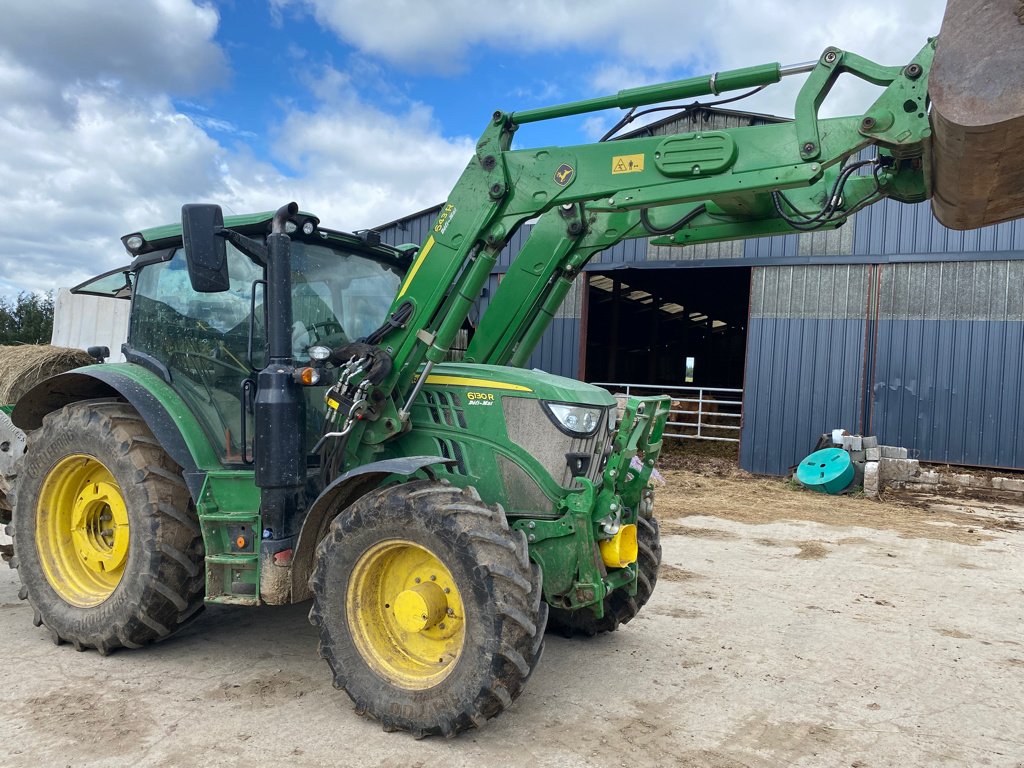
(927, 477)
(856, 443)
(873, 453)
(870, 442)
(871, 479)
(1008, 484)
(892, 471)
(856, 456)
(893, 452)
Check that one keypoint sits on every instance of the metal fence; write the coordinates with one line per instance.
(698, 413)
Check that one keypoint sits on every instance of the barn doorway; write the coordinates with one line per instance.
(669, 327)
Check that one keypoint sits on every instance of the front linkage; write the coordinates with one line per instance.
(602, 518)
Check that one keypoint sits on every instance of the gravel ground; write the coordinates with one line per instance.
(786, 629)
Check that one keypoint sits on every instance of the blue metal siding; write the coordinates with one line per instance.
(951, 390)
(558, 351)
(805, 361)
(803, 377)
(890, 228)
(949, 372)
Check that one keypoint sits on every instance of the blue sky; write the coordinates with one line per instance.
(361, 111)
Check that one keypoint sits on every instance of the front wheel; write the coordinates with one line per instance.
(428, 608)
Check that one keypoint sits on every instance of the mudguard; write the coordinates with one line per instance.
(341, 492)
(166, 414)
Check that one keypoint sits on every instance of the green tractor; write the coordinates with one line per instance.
(232, 459)
(287, 427)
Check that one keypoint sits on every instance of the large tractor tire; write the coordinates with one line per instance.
(106, 541)
(428, 608)
(619, 608)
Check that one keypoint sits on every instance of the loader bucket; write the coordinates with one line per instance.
(976, 87)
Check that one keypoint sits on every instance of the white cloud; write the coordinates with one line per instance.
(123, 163)
(93, 146)
(74, 187)
(149, 44)
(651, 42)
(354, 165)
(657, 34)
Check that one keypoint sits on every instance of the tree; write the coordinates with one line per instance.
(26, 320)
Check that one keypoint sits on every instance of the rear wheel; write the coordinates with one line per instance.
(428, 608)
(619, 608)
(106, 543)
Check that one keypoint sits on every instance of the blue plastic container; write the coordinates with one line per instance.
(827, 471)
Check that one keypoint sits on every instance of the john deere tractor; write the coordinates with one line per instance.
(286, 426)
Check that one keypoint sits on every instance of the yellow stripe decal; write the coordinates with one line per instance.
(462, 381)
(416, 265)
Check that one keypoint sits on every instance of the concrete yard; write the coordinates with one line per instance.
(786, 629)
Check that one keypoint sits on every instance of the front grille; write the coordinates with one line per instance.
(530, 428)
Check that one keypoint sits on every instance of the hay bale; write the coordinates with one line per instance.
(24, 366)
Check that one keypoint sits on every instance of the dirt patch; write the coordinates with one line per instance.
(266, 692)
(811, 550)
(954, 633)
(677, 613)
(670, 573)
(94, 722)
(752, 500)
(671, 528)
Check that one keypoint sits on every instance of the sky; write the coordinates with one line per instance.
(362, 112)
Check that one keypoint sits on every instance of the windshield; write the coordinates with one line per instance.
(337, 296)
(203, 338)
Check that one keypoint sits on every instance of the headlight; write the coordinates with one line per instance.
(575, 420)
(318, 353)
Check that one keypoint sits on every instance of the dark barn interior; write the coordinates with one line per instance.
(674, 327)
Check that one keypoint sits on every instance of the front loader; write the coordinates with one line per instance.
(286, 425)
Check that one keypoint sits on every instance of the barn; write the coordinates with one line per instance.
(891, 325)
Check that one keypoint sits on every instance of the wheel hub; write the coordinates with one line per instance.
(99, 527)
(82, 533)
(421, 607)
(405, 614)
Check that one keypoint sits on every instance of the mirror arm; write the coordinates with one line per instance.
(246, 245)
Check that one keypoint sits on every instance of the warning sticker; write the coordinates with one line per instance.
(627, 163)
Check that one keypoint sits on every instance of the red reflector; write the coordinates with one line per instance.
(284, 557)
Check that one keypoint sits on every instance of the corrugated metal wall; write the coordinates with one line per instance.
(925, 355)
(949, 361)
(805, 360)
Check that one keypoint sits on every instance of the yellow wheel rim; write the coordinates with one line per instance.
(82, 531)
(405, 614)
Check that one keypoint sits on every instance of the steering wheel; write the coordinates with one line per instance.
(320, 333)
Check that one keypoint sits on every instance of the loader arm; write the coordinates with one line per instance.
(713, 185)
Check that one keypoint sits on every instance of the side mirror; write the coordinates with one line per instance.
(205, 249)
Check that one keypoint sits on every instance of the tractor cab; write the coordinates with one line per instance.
(208, 339)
